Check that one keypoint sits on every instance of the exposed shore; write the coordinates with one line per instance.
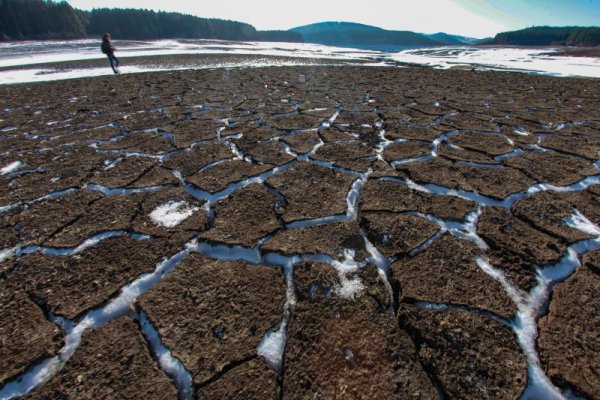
(309, 231)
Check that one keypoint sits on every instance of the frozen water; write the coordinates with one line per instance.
(382, 264)
(349, 288)
(172, 213)
(17, 54)
(31, 379)
(466, 230)
(172, 366)
(227, 253)
(119, 191)
(411, 160)
(272, 345)
(443, 137)
(9, 168)
(533, 60)
(514, 153)
(480, 165)
(582, 223)
(30, 53)
(7, 254)
(307, 223)
(532, 305)
(521, 132)
(86, 244)
(93, 319)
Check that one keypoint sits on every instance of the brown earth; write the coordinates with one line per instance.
(24, 327)
(113, 362)
(198, 136)
(470, 355)
(218, 321)
(569, 337)
(446, 272)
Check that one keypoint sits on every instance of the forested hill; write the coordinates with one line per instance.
(145, 24)
(47, 19)
(355, 35)
(40, 19)
(550, 36)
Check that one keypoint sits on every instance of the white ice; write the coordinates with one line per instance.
(10, 168)
(531, 306)
(16, 54)
(272, 345)
(580, 222)
(534, 60)
(521, 132)
(172, 213)
(93, 319)
(86, 244)
(349, 288)
(171, 365)
(7, 254)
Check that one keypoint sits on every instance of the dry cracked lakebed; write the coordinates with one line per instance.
(369, 233)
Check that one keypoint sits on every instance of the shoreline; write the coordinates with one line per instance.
(85, 59)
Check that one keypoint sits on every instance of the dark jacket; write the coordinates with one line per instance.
(106, 47)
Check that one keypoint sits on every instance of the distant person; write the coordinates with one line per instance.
(109, 50)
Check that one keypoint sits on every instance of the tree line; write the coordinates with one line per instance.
(48, 19)
(550, 36)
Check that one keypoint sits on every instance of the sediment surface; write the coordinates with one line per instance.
(358, 233)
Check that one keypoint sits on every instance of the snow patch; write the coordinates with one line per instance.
(172, 213)
(7, 254)
(272, 345)
(349, 288)
(582, 223)
(10, 168)
(521, 132)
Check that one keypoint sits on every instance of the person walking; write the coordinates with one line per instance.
(109, 50)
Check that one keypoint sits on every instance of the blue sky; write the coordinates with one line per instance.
(477, 18)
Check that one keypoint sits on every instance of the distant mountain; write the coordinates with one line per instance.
(550, 36)
(452, 40)
(348, 34)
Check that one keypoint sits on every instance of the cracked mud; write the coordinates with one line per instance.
(369, 233)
